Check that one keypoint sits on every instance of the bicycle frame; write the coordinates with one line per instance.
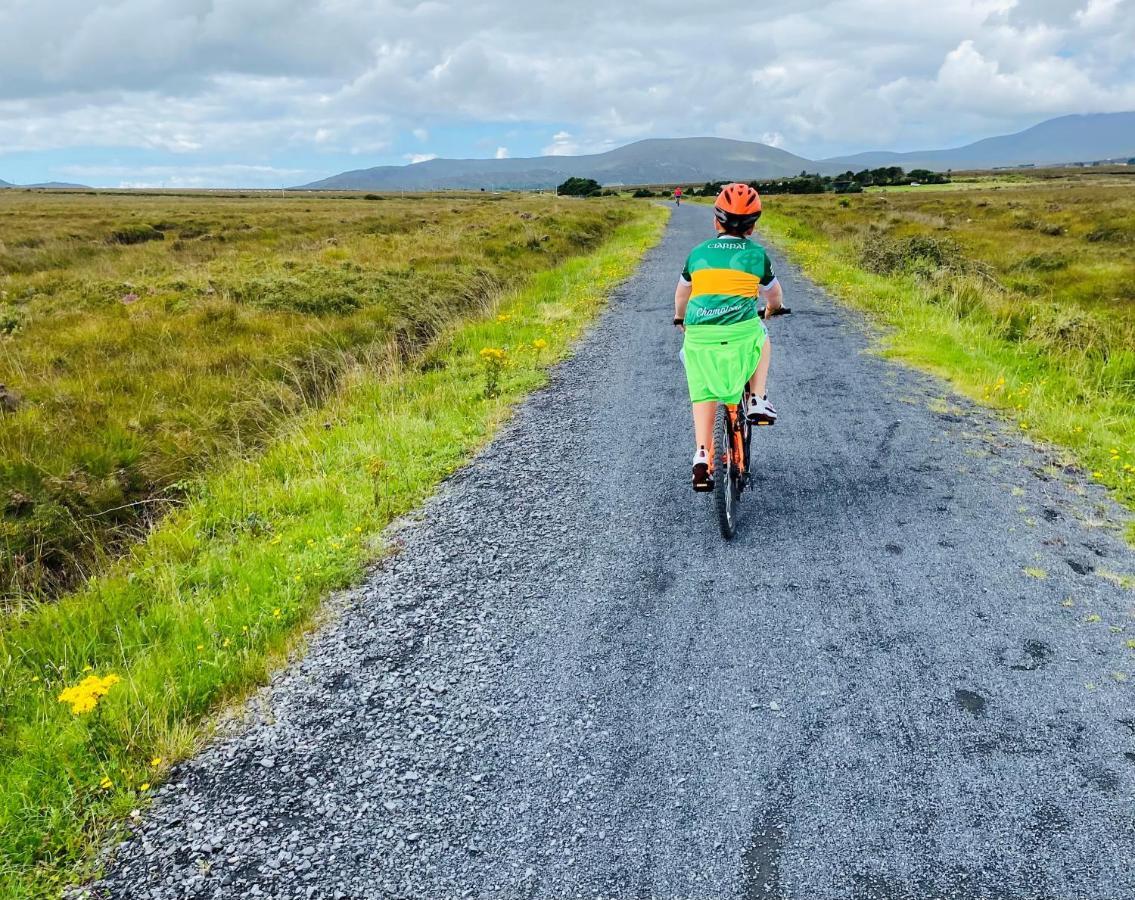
(736, 455)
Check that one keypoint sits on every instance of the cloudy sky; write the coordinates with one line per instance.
(271, 92)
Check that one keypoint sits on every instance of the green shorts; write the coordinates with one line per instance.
(719, 359)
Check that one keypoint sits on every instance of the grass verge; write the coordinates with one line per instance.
(196, 615)
(1036, 376)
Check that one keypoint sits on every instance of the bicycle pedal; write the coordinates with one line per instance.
(703, 479)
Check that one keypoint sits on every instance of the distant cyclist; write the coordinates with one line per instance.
(677, 196)
(715, 304)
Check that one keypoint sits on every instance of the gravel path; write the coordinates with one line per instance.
(567, 684)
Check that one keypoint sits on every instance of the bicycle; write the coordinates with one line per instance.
(732, 427)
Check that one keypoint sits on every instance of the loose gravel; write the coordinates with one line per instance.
(566, 684)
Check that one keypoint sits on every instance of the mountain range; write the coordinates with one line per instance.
(45, 184)
(1066, 139)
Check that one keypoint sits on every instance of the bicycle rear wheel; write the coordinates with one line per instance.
(727, 483)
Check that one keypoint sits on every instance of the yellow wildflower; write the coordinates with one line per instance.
(106, 784)
(84, 696)
(144, 786)
(539, 343)
(155, 762)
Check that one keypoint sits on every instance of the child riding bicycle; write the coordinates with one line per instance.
(715, 304)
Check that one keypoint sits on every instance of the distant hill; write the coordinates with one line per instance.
(45, 184)
(694, 160)
(655, 161)
(1067, 139)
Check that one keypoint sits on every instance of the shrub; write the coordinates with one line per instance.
(919, 254)
(1111, 234)
(11, 318)
(1042, 262)
(580, 187)
(135, 234)
(642, 192)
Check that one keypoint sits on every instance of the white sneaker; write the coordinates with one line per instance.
(703, 480)
(760, 411)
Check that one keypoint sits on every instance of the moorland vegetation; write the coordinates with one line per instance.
(147, 338)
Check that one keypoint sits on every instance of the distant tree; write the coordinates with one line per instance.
(580, 187)
(925, 176)
(710, 189)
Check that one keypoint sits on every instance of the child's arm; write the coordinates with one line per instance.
(681, 299)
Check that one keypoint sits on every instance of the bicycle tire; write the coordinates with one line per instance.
(726, 489)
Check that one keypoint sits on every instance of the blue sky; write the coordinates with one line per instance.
(114, 166)
(263, 93)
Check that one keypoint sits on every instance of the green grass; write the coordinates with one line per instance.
(1023, 299)
(149, 338)
(196, 615)
(957, 185)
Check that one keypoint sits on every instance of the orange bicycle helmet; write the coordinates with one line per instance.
(737, 208)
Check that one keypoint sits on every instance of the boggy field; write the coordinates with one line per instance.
(146, 338)
(1022, 295)
(1069, 242)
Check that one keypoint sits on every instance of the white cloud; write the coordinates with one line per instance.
(233, 175)
(502, 153)
(1097, 13)
(253, 79)
(419, 157)
(562, 145)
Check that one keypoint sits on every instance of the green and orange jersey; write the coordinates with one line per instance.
(727, 274)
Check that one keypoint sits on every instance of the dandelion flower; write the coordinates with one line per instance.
(106, 784)
(155, 762)
(144, 786)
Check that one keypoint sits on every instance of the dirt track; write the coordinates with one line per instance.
(567, 684)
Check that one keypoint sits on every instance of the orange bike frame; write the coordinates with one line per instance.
(738, 449)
